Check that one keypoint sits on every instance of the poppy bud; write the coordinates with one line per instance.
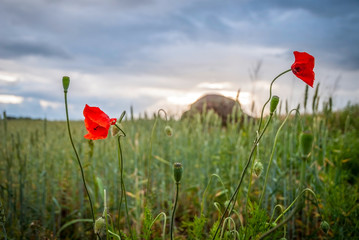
(324, 226)
(271, 225)
(114, 131)
(283, 238)
(274, 103)
(168, 131)
(306, 141)
(99, 225)
(258, 168)
(177, 172)
(65, 83)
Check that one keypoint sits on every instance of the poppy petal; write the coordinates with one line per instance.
(303, 67)
(97, 115)
(97, 123)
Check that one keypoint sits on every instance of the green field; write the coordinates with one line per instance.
(43, 197)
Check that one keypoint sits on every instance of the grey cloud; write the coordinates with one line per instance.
(15, 49)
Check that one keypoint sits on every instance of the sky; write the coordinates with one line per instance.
(152, 54)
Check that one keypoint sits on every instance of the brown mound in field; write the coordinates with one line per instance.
(221, 105)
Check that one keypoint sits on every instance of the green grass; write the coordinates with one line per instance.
(41, 188)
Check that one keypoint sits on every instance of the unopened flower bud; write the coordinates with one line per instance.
(258, 168)
(324, 226)
(306, 142)
(99, 225)
(177, 172)
(274, 103)
(283, 238)
(65, 83)
(168, 131)
(115, 131)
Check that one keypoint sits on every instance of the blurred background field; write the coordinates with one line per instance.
(41, 188)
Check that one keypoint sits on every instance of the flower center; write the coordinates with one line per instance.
(297, 69)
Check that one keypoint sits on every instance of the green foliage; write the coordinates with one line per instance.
(41, 189)
(195, 229)
(147, 224)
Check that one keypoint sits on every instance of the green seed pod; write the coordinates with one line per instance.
(324, 226)
(168, 131)
(99, 225)
(274, 103)
(258, 168)
(306, 142)
(177, 172)
(65, 83)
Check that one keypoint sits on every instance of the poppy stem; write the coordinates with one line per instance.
(78, 158)
(174, 211)
(270, 96)
(272, 154)
(255, 144)
(123, 189)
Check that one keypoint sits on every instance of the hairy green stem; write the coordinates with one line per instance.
(123, 189)
(270, 96)
(164, 223)
(174, 210)
(78, 158)
(241, 178)
(272, 154)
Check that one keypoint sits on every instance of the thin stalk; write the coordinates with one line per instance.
(272, 154)
(78, 158)
(174, 210)
(296, 199)
(114, 234)
(298, 207)
(164, 223)
(105, 211)
(280, 224)
(270, 96)
(123, 189)
(242, 177)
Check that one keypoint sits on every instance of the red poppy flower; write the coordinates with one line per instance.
(303, 67)
(97, 123)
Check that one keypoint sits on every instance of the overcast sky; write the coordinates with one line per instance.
(155, 54)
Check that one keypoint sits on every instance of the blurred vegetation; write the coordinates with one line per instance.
(41, 188)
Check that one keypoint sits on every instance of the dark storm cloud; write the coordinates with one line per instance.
(111, 43)
(117, 32)
(15, 49)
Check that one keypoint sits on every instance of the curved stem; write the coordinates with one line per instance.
(229, 220)
(272, 154)
(114, 234)
(241, 178)
(292, 213)
(162, 110)
(174, 210)
(123, 189)
(78, 158)
(164, 223)
(305, 190)
(270, 96)
(206, 189)
(280, 224)
(276, 206)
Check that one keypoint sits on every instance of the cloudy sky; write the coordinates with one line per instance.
(153, 54)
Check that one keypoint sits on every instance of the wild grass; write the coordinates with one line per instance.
(42, 195)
